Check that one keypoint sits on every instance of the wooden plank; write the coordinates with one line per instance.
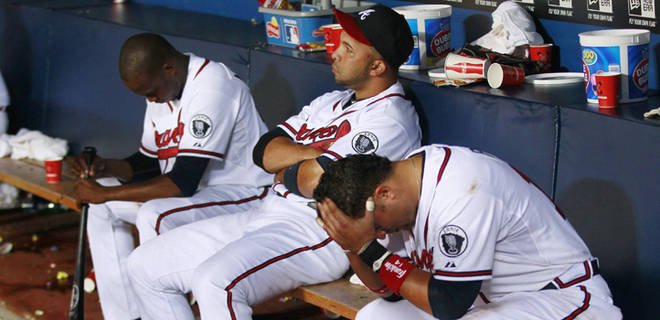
(340, 297)
(31, 177)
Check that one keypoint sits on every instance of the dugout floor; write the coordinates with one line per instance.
(45, 244)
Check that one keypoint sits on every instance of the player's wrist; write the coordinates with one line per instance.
(373, 254)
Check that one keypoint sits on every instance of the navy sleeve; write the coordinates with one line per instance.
(452, 299)
(187, 173)
(144, 168)
(258, 151)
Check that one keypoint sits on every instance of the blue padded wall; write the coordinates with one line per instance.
(281, 85)
(521, 133)
(607, 183)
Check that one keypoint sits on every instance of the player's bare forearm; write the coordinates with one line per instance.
(156, 188)
(416, 289)
(281, 152)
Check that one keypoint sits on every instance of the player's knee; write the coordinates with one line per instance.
(209, 281)
(138, 267)
(147, 215)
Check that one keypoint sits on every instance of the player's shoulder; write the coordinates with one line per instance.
(331, 97)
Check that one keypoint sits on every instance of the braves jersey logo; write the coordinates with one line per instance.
(168, 136)
(201, 126)
(453, 241)
(323, 137)
(423, 261)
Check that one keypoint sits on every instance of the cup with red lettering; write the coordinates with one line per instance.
(332, 37)
(500, 75)
(463, 67)
(607, 88)
(53, 168)
(541, 52)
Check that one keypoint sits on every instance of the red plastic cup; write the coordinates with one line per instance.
(607, 88)
(53, 170)
(541, 52)
(502, 75)
(332, 37)
(463, 67)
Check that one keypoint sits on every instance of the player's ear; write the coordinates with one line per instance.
(383, 193)
(378, 67)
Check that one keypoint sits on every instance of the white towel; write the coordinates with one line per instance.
(36, 145)
(512, 27)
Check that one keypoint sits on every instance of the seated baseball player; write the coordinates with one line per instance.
(462, 235)
(231, 263)
(194, 161)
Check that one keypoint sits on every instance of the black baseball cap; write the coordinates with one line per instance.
(382, 28)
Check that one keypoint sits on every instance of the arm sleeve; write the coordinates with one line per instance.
(143, 167)
(187, 173)
(258, 151)
(452, 299)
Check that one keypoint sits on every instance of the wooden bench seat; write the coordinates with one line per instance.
(30, 175)
(340, 297)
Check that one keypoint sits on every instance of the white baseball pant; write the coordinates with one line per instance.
(233, 262)
(111, 240)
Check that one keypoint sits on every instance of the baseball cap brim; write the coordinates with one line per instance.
(350, 25)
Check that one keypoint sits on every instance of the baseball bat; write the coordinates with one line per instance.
(77, 307)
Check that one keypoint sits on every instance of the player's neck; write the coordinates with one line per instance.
(372, 87)
(408, 176)
(182, 62)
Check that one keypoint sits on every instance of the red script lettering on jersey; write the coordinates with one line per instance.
(170, 135)
(425, 262)
(323, 137)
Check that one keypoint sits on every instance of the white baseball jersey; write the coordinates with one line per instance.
(196, 125)
(385, 124)
(479, 219)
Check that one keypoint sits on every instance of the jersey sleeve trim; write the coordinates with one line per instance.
(147, 152)
(464, 274)
(193, 152)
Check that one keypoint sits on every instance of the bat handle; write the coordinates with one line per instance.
(89, 153)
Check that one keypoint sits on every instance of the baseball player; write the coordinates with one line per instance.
(467, 236)
(194, 161)
(4, 103)
(233, 262)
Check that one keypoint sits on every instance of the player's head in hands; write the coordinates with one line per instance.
(353, 181)
(151, 67)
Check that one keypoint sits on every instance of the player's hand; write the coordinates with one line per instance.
(80, 169)
(279, 176)
(351, 234)
(89, 191)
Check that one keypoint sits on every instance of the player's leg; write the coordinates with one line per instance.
(382, 309)
(160, 215)
(269, 260)
(161, 269)
(110, 242)
(589, 300)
